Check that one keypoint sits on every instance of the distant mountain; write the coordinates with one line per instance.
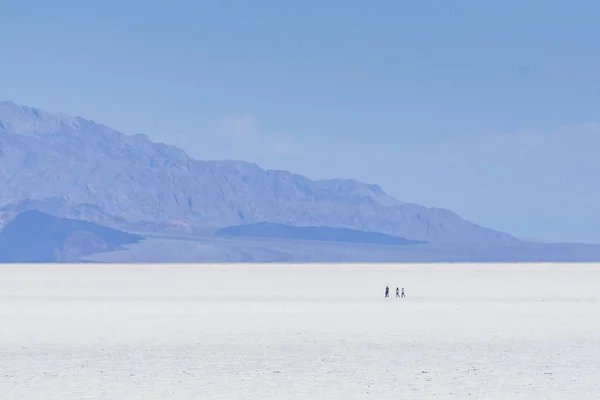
(231, 248)
(33, 236)
(72, 167)
(315, 233)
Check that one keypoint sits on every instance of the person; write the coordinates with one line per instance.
(403, 292)
(387, 291)
(397, 292)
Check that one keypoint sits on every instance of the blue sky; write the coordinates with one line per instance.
(490, 109)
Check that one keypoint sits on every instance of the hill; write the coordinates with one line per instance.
(73, 167)
(314, 233)
(33, 236)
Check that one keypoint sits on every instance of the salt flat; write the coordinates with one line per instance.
(497, 331)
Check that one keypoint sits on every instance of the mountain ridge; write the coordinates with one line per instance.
(77, 168)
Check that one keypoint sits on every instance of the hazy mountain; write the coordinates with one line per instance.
(314, 233)
(210, 248)
(33, 236)
(73, 167)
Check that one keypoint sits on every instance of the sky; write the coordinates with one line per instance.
(490, 109)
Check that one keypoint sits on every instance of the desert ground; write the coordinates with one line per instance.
(300, 331)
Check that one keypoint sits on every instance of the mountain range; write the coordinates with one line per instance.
(72, 167)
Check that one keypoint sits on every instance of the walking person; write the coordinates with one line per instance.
(403, 292)
(387, 291)
(397, 292)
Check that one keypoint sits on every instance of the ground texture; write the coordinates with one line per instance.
(300, 332)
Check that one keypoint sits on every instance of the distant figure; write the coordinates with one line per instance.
(397, 292)
(403, 292)
(387, 291)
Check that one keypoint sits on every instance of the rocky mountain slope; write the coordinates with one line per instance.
(73, 167)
